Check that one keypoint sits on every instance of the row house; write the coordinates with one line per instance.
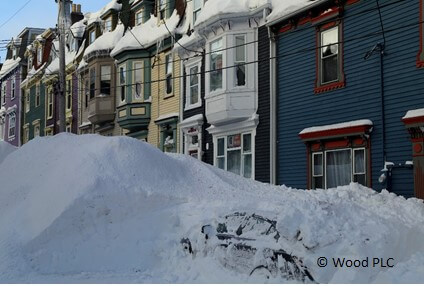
(14, 69)
(97, 71)
(225, 102)
(148, 83)
(41, 111)
(347, 94)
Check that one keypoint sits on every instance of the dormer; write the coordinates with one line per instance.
(141, 11)
(109, 19)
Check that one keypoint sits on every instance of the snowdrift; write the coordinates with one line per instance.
(113, 209)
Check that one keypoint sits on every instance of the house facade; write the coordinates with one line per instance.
(221, 89)
(12, 73)
(345, 78)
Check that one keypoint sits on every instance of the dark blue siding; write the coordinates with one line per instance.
(299, 107)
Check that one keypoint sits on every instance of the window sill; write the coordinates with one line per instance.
(329, 87)
(192, 106)
(420, 64)
(168, 96)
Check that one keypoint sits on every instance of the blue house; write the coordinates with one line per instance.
(349, 81)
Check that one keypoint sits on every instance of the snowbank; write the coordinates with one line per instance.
(5, 150)
(113, 209)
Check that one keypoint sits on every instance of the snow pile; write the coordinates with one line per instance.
(100, 209)
(5, 149)
(9, 65)
(146, 34)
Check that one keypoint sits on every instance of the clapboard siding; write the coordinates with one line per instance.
(262, 140)
(299, 107)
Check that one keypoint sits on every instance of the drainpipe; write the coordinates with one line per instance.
(273, 107)
(181, 137)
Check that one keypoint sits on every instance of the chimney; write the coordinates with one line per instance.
(76, 14)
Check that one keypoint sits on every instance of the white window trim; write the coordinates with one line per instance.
(39, 55)
(134, 70)
(225, 135)
(313, 164)
(124, 84)
(188, 90)
(171, 55)
(106, 28)
(3, 94)
(90, 38)
(27, 102)
(11, 115)
(199, 140)
(246, 66)
(210, 93)
(138, 14)
(352, 175)
(50, 90)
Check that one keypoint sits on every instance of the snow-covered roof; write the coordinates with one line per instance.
(192, 120)
(286, 8)
(107, 41)
(9, 65)
(112, 5)
(363, 122)
(146, 34)
(414, 113)
(216, 7)
(78, 29)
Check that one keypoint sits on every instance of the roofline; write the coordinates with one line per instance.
(296, 12)
(30, 28)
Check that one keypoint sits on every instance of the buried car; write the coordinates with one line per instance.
(247, 243)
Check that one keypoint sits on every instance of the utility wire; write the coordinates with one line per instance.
(11, 17)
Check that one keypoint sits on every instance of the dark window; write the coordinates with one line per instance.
(329, 55)
(92, 83)
(68, 95)
(105, 78)
(169, 69)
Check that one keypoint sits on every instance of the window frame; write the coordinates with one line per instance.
(39, 55)
(162, 7)
(68, 94)
(235, 61)
(241, 148)
(109, 75)
(50, 103)
(198, 10)
(188, 104)
(91, 36)
(135, 81)
(3, 94)
(108, 28)
(13, 89)
(139, 19)
(27, 96)
(11, 116)
(92, 73)
(122, 85)
(222, 51)
(321, 86)
(37, 95)
(169, 74)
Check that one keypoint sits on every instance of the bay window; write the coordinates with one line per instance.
(216, 65)
(234, 153)
(122, 82)
(105, 78)
(12, 125)
(240, 60)
(138, 80)
(169, 71)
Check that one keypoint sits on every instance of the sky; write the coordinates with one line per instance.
(37, 14)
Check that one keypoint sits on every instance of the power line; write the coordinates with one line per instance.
(11, 17)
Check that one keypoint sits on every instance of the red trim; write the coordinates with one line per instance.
(337, 144)
(316, 147)
(285, 28)
(413, 120)
(346, 131)
(418, 148)
(328, 87)
(359, 142)
(350, 2)
(420, 63)
(417, 140)
(334, 11)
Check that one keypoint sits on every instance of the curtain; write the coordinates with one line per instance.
(338, 168)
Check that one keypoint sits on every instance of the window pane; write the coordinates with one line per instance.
(234, 161)
(138, 80)
(240, 74)
(234, 141)
(329, 69)
(92, 82)
(194, 77)
(216, 62)
(360, 179)
(247, 143)
(329, 42)
(338, 168)
(197, 4)
(221, 147)
(248, 166)
(169, 84)
(220, 162)
(318, 183)
(317, 168)
(194, 94)
(359, 161)
(240, 49)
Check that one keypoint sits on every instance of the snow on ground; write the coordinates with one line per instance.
(113, 209)
(5, 150)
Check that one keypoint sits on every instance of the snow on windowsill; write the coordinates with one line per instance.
(414, 113)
